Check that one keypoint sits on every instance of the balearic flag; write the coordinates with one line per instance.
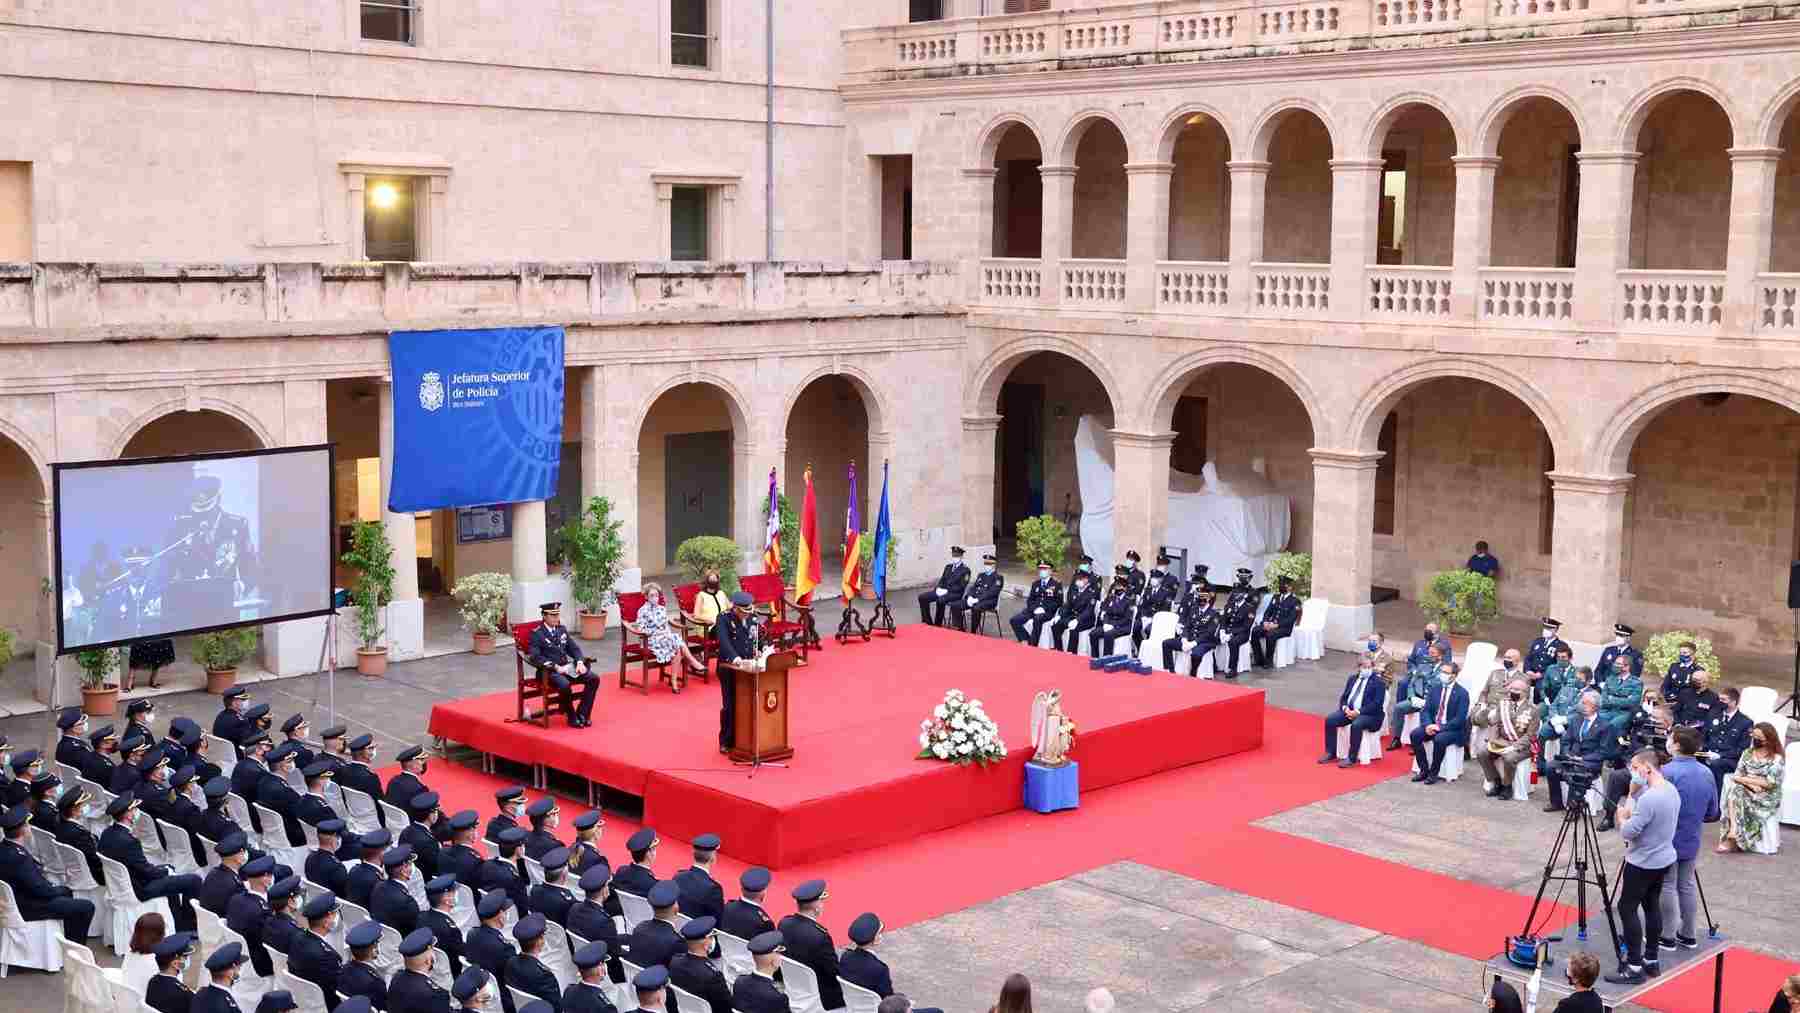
(852, 544)
(806, 569)
(772, 540)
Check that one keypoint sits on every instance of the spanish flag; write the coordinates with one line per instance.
(806, 568)
(852, 544)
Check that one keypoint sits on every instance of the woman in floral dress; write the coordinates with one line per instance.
(653, 625)
(1752, 796)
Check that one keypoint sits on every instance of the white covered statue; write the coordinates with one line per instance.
(1052, 734)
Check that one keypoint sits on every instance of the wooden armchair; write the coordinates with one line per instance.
(770, 599)
(634, 648)
(534, 684)
(698, 635)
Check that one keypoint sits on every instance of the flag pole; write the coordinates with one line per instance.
(883, 619)
(851, 623)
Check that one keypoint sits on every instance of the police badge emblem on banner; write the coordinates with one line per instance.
(477, 416)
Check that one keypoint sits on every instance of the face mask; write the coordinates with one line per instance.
(712, 582)
(1081, 585)
(1638, 780)
(1685, 656)
(1374, 645)
(1619, 641)
(1430, 636)
(1043, 574)
(1131, 564)
(987, 569)
(1507, 664)
(1516, 695)
(1446, 678)
(955, 560)
(1549, 634)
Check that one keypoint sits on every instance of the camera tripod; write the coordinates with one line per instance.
(1577, 852)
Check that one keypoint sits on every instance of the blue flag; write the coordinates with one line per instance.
(883, 533)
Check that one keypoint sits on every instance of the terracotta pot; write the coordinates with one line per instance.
(371, 660)
(593, 625)
(484, 643)
(1459, 643)
(100, 703)
(218, 680)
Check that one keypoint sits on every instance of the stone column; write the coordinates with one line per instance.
(292, 648)
(532, 583)
(1140, 491)
(1249, 190)
(1584, 562)
(406, 613)
(980, 436)
(750, 464)
(609, 459)
(1751, 229)
(1474, 231)
(1146, 230)
(1344, 541)
(978, 221)
(1355, 214)
(1603, 240)
(1059, 227)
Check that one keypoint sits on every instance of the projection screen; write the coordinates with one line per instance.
(159, 547)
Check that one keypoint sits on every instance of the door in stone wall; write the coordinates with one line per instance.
(697, 483)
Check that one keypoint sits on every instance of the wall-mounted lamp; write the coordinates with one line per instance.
(384, 196)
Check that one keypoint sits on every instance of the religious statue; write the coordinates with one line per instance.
(1052, 734)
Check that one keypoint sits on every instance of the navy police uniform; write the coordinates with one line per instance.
(1199, 626)
(1283, 612)
(1041, 605)
(948, 591)
(552, 646)
(1239, 615)
(1115, 618)
(983, 595)
(1078, 611)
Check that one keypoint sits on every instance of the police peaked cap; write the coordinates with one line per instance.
(664, 894)
(409, 753)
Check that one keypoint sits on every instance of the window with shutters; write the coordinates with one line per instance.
(391, 21)
(693, 33)
(926, 10)
(1024, 6)
(688, 215)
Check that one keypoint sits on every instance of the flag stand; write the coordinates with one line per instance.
(852, 625)
(883, 620)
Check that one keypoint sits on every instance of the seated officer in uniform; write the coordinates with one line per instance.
(554, 651)
(486, 946)
(506, 870)
(1041, 605)
(421, 833)
(366, 871)
(439, 917)
(757, 992)
(411, 990)
(223, 968)
(860, 966)
(590, 992)
(1114, 620)
(1277, 622)
(390, 902)
(359, 773)
(635, 876)
(36, 897)
(312, 956)
(229, 723)
(461, 858)
(511, 803)
(552, 898)
(1197, 626)
(982, 596)
(526, 971)
(589, 919)
(248, 912)
(407, 784)
(651, 985)
(701, 894)
(1078, 610)
(476, 989)
(281, 930)
(1237, 618)
(1727, 736)
(322, 864)
(585, 849)
(167, 991)
(293, 732)
(1695, 703)
(545, 817)
(810, 943)
(1160, 595)
(690, 971)
(313, 808)
(745, 917)
(655, 940)
(947, 591)
(360, 976)
(147, 881)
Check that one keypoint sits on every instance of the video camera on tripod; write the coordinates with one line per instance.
(1576, 772)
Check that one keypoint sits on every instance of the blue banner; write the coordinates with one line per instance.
(477, 416)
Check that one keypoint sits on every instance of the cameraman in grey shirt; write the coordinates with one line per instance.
(1647, 823)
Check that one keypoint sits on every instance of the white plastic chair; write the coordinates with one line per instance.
(307, 997)
(534, 871)
(68, 774)
(209, 848)
(311, 833)
(126, 908)
(1757, 703)
(362, 813)
(35, 944)
(636, 909)
(857, 999)
(688, 1001)
(520, 997)
(387, 952)
(1368, 752)
(1220, 657)
(41, 845)
(1163, 625)
(239, 811)
(1309, 633)
(556, 955)
(1790, 786)
(144, 829)
(180, 853)
(221, 753)
(80, 881)
(212, 930)
(1285, 652)
(89, 988)
(1780, 723)
(276, 842)
(96, 821)
(396, 820)
(802, 987)
(736, 955)
(440, 969)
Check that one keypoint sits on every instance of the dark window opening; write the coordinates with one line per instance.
(1571, 209)
(687, 223)
(1390, 230)
(1188, 452)
(690, 41)
(389, 20)
(926, 10)
(1385, 471)
(390, 219)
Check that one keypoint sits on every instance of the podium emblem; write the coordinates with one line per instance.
(771, 700)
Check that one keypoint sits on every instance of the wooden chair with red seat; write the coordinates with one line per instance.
(770, 598)
(534, 684)
(634, 647)
(699, 636)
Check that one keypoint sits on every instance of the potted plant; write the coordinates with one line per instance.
(483, 597)
(99, 697)
(595, 553)
(868, 561)
(1460, 601)
(371, 555)
(6, 647)
(1295, 566)
(220, 652)
(1042, 539)
(710, 552)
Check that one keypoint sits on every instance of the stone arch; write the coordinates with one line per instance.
(1611, 450)
(1169, 130)
(1391, 110)
(1364, 427)
(982, 395)
(1177, 375)
(1265, 125)
(875, 399)
(40, 464)
(1077, 128)
(1500, 112)
(1631, 124)
(989, 137)
(1775, 115)
(734, 401)
(258, 431)
(25, 539)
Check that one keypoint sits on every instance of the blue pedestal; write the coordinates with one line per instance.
(1048, 789)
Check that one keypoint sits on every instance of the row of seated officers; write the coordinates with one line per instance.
(1125, 611)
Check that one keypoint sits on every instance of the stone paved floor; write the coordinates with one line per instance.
(1159, 940)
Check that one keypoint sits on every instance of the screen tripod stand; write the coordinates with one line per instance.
(1575, 858)
(1792, 704)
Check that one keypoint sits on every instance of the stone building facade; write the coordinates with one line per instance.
(1516, 271)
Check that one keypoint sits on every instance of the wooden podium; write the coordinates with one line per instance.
(760, 700)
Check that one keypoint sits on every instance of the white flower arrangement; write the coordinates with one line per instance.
(960, 732)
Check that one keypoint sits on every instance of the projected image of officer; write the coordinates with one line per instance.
(211, 561)
(131, 605)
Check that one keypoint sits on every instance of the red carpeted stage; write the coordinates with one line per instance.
(854, 723)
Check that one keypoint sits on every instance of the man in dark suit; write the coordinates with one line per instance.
(511, 803)
(1277, 622)
(229, 723)
(358, 773)
(224, 881)
(506, 870)
(390, 903)
(635, 876)
(690, 971)
(983, 595)
(948, 590)
(360, 877)
(439, 917)
(223, 968)
(526, 971)
(403, 787)
(588, 918)
(700, 892)
(808, 941)
(1041, 604)
(1727, 736)
(166, 992)
(147, 881)
(1443, 723)
(248, 911)
(322, 864)
(38, 898)
(589, 994)
(560, 658)
(552, 898)
(1589, 738)
(745, 917)
(360, 976)
(412, 990)
(460, 858)
(312, 807)
(421, 833)
(312, 957)
(545, 817)
(1078, 610)
(655, 940)
(757, 992)
(1360, 707)
(486, 946)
